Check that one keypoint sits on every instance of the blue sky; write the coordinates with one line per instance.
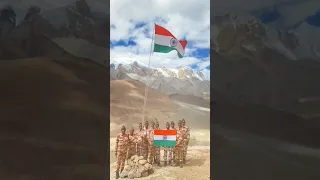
(132, 28)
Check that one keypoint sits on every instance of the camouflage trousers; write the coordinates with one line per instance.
(151, 152)
(173, 153)
(185, 150)
(145, 151)
(179, 153)
(131, 151)
(157, 154)
(121, 158)
(139, 149)
(167, 154)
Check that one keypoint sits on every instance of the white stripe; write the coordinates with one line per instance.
(165, 41)
(160, 137)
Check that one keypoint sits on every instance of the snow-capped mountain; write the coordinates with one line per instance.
(251, 34)
(182, 80)
(272, 61)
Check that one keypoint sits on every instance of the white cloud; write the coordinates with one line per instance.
(186, 19)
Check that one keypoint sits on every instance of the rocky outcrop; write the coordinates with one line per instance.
(31, 34)
(260, 62)
(137, 167)
(83, 24)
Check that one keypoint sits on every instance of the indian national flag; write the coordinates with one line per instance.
(164, 137)
(164, 42)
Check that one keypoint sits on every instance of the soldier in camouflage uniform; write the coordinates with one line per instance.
(179, 149)
(157, 148)
(187, 138)
(172, 127)
(151, 150)
(121, 147)
(132, 143)
(146, 129)
(167, 152)
(140, 138)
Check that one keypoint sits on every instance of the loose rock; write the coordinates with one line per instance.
(137, 167)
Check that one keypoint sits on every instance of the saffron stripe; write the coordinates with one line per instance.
(165, 132)
(162, 31)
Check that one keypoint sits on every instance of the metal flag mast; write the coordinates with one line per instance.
(148, 76)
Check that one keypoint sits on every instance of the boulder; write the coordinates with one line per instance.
(142, 162)
(124, 174)
(136, 167)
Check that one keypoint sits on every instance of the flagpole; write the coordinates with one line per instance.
(148, 76)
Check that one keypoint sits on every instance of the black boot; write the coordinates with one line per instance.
(117, 175)
(165, 164)
(159, 164)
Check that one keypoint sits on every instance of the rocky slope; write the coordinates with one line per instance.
(25, 38)
(170, 81)
(264, 64)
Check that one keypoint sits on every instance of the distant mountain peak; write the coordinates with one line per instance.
(180, 80)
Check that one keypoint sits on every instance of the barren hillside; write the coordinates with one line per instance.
(53, 119)
(194, 100)
(127, 100)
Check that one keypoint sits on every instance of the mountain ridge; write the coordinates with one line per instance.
(183, 80)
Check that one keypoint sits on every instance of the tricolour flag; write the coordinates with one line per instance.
(164, 137)
(164, 42)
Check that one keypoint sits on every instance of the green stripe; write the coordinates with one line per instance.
(164, 49)
(164, 143)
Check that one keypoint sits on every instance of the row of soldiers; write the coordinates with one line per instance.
(141, 143)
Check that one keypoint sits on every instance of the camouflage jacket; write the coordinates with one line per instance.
(140, 136)
(181, 136)
(150, 134)
(187, 132)
(122, 142)
(132, 141)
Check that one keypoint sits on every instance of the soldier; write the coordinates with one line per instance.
(122, 142)
(187, 132)
(140, 138)
(167, 152)
(146, 129)
(179, 149)
(172, 127)
(132, 143)
(157, 149)
(151, 149)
